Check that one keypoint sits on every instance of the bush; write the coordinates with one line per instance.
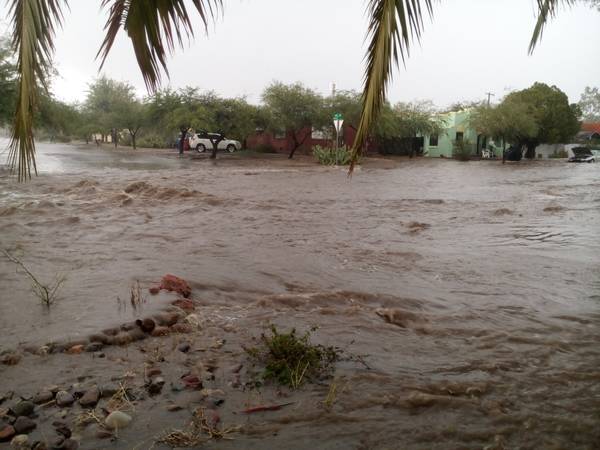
(291, 359)
(265, 148)
(331, 156)
(461, 150)
(150, 141)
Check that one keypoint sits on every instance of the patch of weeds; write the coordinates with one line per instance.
(291, 359)
(46, 292)
(200, 430)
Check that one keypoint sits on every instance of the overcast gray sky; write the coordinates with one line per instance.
(469, 48)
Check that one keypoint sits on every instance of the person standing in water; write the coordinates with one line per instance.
(181, 142)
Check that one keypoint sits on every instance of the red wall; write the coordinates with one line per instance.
(285, 145)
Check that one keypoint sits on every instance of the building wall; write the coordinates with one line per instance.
(458, 122)
(286, 144)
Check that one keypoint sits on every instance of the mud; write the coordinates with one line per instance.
(469, 290)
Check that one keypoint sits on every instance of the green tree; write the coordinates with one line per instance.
(8, 82)
(510, 121)
(113, 106)
(539, 114)
(155, 26)
(295, 109)
(417, 119)
(590, 103)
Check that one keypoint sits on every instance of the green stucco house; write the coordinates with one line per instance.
(457, 128)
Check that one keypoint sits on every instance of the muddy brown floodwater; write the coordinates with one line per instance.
(471, 291)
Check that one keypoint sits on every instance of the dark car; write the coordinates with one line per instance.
(582, 154)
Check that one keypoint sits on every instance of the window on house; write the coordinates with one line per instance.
(433, 140)
(280, 135)
(459, 136)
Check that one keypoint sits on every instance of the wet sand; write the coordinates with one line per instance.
(470, 289)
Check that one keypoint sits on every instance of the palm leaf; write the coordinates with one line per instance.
(546, 9)
(154, 26)
(393, 25)
(33, 33)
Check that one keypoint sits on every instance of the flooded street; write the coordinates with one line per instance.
(470, 290)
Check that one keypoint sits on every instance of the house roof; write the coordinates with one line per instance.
(587, 135)
(591, 126)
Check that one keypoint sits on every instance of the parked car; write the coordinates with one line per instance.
(202, 141)
(582, 154)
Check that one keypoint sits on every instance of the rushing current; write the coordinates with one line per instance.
(470, 290)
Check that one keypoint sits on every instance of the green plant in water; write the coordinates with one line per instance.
(331, 156)
(291, 359)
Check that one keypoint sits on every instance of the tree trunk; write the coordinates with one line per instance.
(530, 153)
(296, 143)
(215, 144)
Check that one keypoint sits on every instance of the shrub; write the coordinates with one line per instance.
(331, 156)
(461, 150)
(150, 141)
(291, 359)
(265, 148)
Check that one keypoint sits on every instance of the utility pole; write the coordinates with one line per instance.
(489, 94)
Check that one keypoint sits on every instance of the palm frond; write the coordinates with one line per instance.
(153, 26)
(393, 25)
(34, 23)
(546, 10)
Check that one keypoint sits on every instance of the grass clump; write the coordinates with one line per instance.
(291, 359)
(331, 156)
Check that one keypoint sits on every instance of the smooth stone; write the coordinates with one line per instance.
(90, 398)
(93, 347)
(24, 425)
(156, 385)
(99, 355)
(101, 433)
(70, 444)
(117, 420)
(7, 433)
(184, 347)
(23, 408)
(63, 430)
(173, 408)
(43, 397)
(63, 398)
(153, 372)
(20, 441)
(177, 386)
(38, 445)
(109, 390)
(57, 443)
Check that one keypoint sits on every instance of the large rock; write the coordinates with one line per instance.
(20, 441)
(117, 420)
(24, 425)
(176, 284)
(63, 398)
(43, 397)
(6, 433)
(24, 408)
(90, 398)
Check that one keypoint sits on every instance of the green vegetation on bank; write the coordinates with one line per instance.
(292, 359)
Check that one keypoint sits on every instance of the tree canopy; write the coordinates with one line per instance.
(294, 108)
(539, 114)
(590, 103)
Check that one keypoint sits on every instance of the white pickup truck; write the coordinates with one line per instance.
(202, 142)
